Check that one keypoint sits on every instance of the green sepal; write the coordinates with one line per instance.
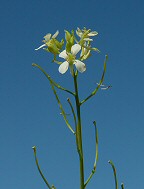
(68, 47)
(53, 48)
(71, 40)
(85, 56)
(67, 35)
(58, 44)
(69, 44)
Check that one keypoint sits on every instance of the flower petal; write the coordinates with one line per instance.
(56, 34)
(80, 66)
(63, 54)
(47, 37)
(63, 67)
(40, 47)
(75, 49)
(87, 39)
(93, 33)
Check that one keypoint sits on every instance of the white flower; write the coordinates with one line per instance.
(85, 34)
(71, 59)
(47, 38)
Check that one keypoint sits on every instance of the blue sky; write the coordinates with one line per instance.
(29, 114)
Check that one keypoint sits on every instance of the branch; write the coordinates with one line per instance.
(62, 110)
(74, 116)
(115, 176)
(39, 169)
(72, 109)
(96, 155)
(101, 81)
(53, 82)
(122, 185)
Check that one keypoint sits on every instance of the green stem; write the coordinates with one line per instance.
(96, 155)
(122, 185)
(36, 160)
(115, 175)
(52, 81)
(79, 133)
(101, 81)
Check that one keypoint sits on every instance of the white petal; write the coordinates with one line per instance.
(40, 47)
(63, 67)
(80, 66)
(79, 30)
(63, 54)
(93, 33)
(87, 39)
(75, 49)
(79, 33)
(47, 37)
(56, 34)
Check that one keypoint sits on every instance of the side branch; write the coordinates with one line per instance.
(37, 164)
(75, 120)
(73, 112)
(101, 81)
(62, 110)
(114, 172)
(96, 155)
(53, 82)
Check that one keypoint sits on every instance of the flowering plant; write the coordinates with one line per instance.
(76, 43)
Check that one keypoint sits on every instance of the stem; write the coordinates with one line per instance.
(79, 133)
(96, 155)
(101, 81)
(115, 175)
(51, 80)
(36, 160)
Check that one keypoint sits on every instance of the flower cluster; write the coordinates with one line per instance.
(51, 44)
(72, 48)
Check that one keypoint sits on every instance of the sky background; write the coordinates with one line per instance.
(29, 114)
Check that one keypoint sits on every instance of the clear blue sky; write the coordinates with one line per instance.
(29, 114)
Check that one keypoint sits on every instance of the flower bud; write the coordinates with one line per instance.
(67, 35)
(59, 44)
(53, 48)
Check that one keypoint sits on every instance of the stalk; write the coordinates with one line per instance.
(79, 132)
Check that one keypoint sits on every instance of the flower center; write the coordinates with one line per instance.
(71, 58)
